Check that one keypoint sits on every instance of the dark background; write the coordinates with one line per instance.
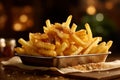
(58, 11)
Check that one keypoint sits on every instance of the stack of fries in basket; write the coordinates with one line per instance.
(63, 40)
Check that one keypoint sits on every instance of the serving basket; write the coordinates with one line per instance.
(62, 61)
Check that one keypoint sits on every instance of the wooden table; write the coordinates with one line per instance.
(14, 73)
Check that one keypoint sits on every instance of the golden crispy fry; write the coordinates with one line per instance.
(77, 51)
(98, 48)
(109, 44)
(103, 49)
(81, 32)
(48, 24)
(82, 35)
(61, 48)
(20, 50)
(69, 51)
(27, 47)
(73, 28)
(23, 42)
(45, 29)
(57, 41)
(45, 45)
(61, 34)
(46, 52)
(94, 43)
(78, 40)
(67, 23)
(88, 31)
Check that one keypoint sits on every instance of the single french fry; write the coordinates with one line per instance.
(103, 49)
(45, 45)
(45, 29)
(82, 35)
(67, 23)
(23, 42)
(78, 40)
(45, 52)
(109, 44)
(31, 51)
(33, 36)
(77, 51)
(20, 50)
(72, 48)
(81, 32)
(62, 47)
(94, 43)
(61, 34)
(73, 28)
(98, 48)
(88, 31)
(48, 24)
(57, 41)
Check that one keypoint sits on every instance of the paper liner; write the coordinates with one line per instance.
(90, 67)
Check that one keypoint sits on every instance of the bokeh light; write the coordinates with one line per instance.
(17, 27)
(91, 10)
(99, 17)
(23, 18)
(109, 5)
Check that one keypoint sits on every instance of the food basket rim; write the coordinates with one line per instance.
(82, 55)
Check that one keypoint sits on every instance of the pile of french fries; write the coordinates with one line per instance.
(61, 39)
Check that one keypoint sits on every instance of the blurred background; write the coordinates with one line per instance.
(19, 17)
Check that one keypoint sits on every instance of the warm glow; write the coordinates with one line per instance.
(23, 18)
(2, 42)
(99, 17)
(91, 10)
(1, 6)
(109, 5)
(29, 23)
(17, 27)
(27, 9)
(3, 19)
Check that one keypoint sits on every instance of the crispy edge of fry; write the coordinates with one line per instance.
(28, 48)
(78, 40)
(20, 50)
(41, 44)
(109, 44)
(23, 42)
(72, 48)
(82, 35)
(95, 42)
(77, 51)
(98, 48)
(48, 24)
(74, 27)
(61, 34)
(46, 52)
(87, 26)
(103, 49)
(61, 48)
(45, 29)
(57, 42)
(81, 32)
(68, 21)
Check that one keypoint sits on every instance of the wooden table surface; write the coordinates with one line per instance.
(14, 73)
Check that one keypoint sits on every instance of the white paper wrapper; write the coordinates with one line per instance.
(90, 67)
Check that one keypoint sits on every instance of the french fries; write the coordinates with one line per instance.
(62, 40)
